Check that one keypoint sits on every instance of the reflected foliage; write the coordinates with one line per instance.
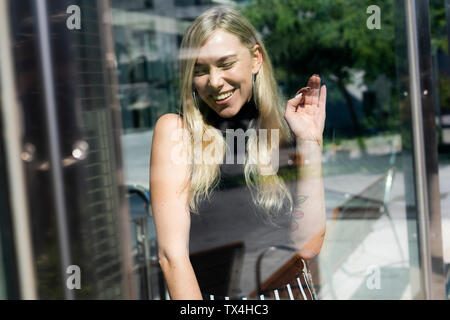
(331, 38)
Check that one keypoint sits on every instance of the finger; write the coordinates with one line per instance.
(323, 97)
(314, 82)
(301, 102)
(298, 100)
(315, 90)
(291, 107)
(301, 94)
(302, 90)
(312, 97)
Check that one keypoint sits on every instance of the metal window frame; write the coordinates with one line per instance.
(425, 162)
(16, 177)
(45, 58)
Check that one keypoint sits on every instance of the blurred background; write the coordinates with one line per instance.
(78, 107)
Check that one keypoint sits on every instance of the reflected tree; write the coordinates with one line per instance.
(328, 37)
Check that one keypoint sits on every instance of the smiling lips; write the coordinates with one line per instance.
(223, 95)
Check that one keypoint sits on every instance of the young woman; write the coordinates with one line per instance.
(227, 83)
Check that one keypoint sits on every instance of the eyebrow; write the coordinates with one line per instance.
(222, 59)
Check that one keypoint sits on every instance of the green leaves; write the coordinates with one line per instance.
(331, 38)
(328, 37)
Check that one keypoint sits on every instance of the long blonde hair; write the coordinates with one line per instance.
(268, 190)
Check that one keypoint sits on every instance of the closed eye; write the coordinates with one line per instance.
(228, 65)
(199, 72)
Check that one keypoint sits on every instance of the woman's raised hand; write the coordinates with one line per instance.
(305, 114)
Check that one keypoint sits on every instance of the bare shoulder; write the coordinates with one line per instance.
(168, 131)
(169, 165)
(168, 136)
(168, 122)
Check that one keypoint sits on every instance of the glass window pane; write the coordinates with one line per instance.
(8, 272)
(440, 31)
(371, 249)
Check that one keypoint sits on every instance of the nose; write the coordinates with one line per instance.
(215, 79)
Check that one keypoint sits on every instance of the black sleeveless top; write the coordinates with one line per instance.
(231, 216)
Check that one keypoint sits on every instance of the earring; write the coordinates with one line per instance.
(253, 88)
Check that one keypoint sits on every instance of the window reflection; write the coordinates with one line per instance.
(372, 248)
(8, 275)
(367, 161)
(440, 33)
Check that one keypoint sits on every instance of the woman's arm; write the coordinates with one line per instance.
(169, 193)
(305, 115)
(308, 219)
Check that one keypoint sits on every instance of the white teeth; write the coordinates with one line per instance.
(223, 95)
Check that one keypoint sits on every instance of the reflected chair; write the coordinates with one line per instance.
(358, 214)
(149, 277)
(292, 281)
(218, 270)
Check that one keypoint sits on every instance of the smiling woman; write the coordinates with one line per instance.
(227, 83)
(226, 57)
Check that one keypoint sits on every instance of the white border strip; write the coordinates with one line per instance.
(288, 286)
(277, 296)
(310, 292)
(301, 288)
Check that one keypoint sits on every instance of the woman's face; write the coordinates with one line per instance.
(223, 73)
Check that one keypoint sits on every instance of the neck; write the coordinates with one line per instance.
(241, 120)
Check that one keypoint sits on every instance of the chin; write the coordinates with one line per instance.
(228, 112)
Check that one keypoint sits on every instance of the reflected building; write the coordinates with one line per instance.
(110, 81)
(73, 206)
(147, 35)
